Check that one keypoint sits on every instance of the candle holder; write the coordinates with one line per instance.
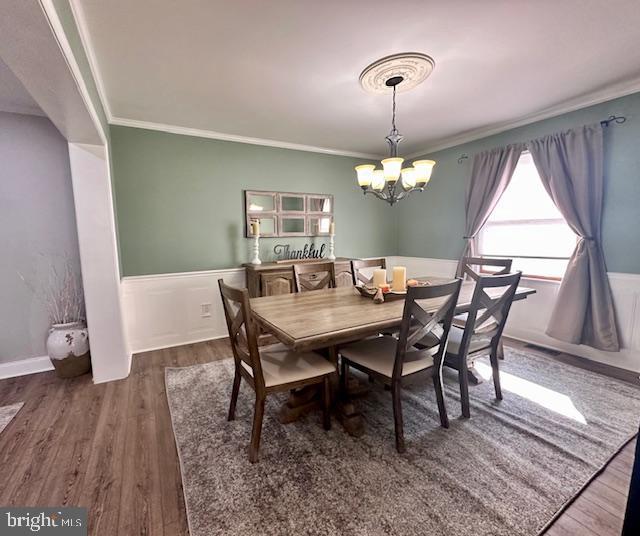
(332, 256)
(256, 250)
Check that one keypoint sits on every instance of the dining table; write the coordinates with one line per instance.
(328, 318)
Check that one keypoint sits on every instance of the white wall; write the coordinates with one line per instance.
(165, 310)
(110, 354)
(37, 227)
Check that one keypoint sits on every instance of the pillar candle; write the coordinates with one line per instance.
(379, 277)
(399, 283)
(332, 228)
(256, 228)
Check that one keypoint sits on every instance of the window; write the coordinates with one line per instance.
(527, 227)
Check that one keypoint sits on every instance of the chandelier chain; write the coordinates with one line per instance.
(393, 116)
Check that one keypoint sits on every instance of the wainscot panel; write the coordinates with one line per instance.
(167, 310)
(173, 309)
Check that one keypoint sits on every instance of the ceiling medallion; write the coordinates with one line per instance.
(399, 72)
(413, 67)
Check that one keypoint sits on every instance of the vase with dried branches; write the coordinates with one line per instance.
(68, 338)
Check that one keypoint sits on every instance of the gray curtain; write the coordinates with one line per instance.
(570, 165)
(490, 175)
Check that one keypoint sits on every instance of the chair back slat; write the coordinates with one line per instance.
(315, 276)
(417, 322)
(469, 262)
(357, 265)
(489, 311)
(242, 329)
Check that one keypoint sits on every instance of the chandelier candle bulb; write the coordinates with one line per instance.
(423, 168)
(408, 178)
(379, 277)
(399, 282)
(391, 168)
(365, 174)
(378, 181)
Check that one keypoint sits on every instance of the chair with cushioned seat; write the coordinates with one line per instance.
(390, 359)
(482, 331)
(467, 265)
(267, 369)
(314, 276)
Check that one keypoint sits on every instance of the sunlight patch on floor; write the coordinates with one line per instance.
(543, 396)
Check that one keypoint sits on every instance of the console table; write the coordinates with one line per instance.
(274, 278)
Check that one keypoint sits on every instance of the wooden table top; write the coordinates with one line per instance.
(322, 318)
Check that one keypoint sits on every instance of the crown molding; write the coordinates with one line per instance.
(199, 133)
(81, 23)
(597, 97)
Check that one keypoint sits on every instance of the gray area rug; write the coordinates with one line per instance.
(506, 471)
(7, 413)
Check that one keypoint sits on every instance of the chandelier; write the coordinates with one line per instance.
(394, 182)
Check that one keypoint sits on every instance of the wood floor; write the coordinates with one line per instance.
(110, 448)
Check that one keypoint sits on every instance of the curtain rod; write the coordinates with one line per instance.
(612, 119)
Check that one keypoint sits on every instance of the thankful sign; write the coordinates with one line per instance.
(309, 251)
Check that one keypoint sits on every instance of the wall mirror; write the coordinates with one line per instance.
(319, 225)
(288, 213)
(268, 224)
(261, 202)
(292, 226)
(320, 203)
(291, 203)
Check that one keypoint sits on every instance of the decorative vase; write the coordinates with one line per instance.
(68, 349)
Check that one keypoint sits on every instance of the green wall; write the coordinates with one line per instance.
(180, 200)
(431, 224)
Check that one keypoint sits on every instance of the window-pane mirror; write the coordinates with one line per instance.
(292, 226)
(268, 225)
(319, 225)
(261, 202)
(320, 204)
(288, 213)
(291, 203)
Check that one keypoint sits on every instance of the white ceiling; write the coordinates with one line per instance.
(13, 95)
(288, 70)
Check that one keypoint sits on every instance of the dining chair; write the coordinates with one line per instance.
(391, 360)
(482, 331)
(468, 263)
(268, 369)
(357, 265)
(314, 276)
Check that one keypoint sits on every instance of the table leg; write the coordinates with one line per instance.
(307, 399)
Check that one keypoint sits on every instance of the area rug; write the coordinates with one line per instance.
(7, 413)
(506, 471)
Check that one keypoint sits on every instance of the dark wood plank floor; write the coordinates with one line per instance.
(110, 447)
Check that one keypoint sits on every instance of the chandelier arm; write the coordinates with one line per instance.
(407, 192)
(377, 194)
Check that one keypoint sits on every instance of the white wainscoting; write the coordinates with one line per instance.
(165, 310)
(528, 319)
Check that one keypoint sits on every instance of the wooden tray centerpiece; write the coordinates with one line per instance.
(380, 295)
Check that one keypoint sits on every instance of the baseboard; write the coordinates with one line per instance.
(22, 367)
(185, 343)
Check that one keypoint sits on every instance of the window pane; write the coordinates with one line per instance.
(541, 267)
(529, 239)
(525, 197)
